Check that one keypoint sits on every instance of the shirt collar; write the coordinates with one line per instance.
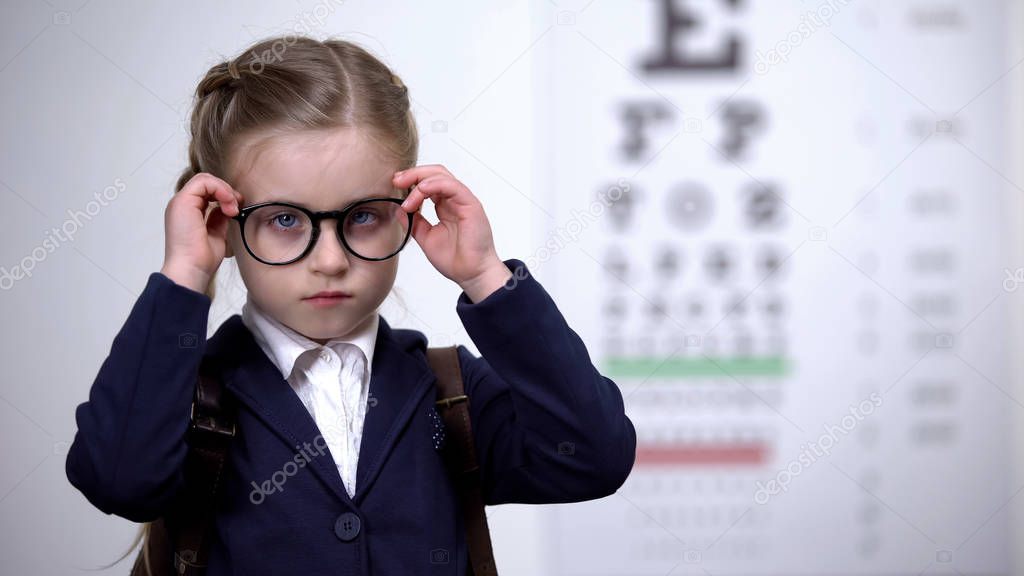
(284, 346)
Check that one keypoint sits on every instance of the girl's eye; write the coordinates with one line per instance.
(283, 221)
(363, 217)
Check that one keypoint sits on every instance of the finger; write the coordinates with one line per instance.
(217, 207)
(412, 201)
(445, 189)
(420, 227)
(418, 194)
(206, 188)
(411, 176)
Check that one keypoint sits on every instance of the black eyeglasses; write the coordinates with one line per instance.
(278, 233)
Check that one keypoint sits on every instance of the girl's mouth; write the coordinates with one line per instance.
(322, 299)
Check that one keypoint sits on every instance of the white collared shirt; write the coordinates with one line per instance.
(332, 381)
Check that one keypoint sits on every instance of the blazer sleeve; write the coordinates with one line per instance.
(128, 452)
(548, 427)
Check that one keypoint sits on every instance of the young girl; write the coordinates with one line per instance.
(303, 169)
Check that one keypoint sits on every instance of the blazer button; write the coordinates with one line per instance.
(346, 527)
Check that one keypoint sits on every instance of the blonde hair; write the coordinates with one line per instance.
(293, 83)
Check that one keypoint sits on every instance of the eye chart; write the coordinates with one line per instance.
(786, 232)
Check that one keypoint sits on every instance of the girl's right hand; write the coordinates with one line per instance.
(196, 222)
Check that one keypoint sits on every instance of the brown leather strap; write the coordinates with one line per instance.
(179, 543)
(460, 452)
(210, 434)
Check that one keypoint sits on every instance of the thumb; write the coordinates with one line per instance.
(420, 227)
(217, 224)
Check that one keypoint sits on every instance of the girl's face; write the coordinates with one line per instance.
(321, 170)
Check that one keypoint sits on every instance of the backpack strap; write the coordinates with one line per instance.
(462, 463)
(179, 542)
(211, 430)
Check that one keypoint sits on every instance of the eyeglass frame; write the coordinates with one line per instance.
(315, 218)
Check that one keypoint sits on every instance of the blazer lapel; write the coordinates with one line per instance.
(398, 380)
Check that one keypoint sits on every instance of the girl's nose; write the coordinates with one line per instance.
(329, 255)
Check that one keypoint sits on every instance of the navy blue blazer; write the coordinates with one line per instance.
(549, 428)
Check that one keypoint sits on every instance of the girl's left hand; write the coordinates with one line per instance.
(460, 245)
